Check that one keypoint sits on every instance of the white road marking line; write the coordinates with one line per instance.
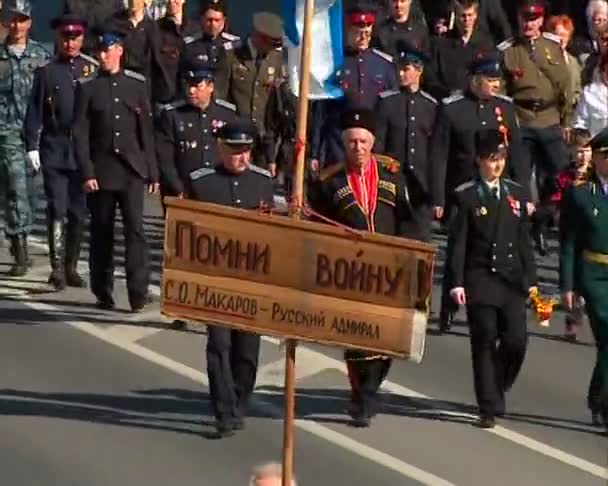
(132, 333)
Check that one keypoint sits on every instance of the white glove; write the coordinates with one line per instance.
(33, 158)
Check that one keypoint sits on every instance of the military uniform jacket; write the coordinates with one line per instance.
(185, 141)
(48, 124)
(583, 226)
(453, 143)
(251, 189)
(489, 245)
(405, 125)
(216, 52)
(16, 81)
(389, 33)
(249, 86)
(539, 81)
(112, 130)
(333, 197)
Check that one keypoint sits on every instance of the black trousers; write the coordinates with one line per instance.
(496, 366)
(232, 366)
(102, 205)
(64, 196)
(366, 378)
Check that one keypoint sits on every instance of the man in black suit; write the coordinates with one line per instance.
(114, 147)
(491, 270)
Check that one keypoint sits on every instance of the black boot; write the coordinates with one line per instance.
(56, 237)
(72, 253)
(19, 252)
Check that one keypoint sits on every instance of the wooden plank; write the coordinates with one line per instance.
(277, 311)
(310, 257)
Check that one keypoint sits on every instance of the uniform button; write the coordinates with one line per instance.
(360, 59)
(481, 106)
(206, 147)
(117, 134)
(411, 102)
(412, 150)
(493, 270)
(361, 91)
(510, 245)
(207, 163)
(483, 122)
(114, 84)
(116, 100)
(493, 257)
(413, 118)
(117, 117)
(494, 245)
(257, 83)
(253, 120)
(117, 150)
(238, 201)
(204, 115)
(205, 130)
(236, 183)
(411, 166)
(510, 256)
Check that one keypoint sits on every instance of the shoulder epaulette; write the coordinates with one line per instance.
(230, 37)
(452, 99)
(86, 79)
(225, 104)
(202, 172)
(551, 37)
(504, 97)
(428, 96)
(383, 55)
(389, 93)
(330, 171)
(259, 170)
(504, 45)
(172, 106)
(90, 59)
(192, 38)
(512, 182)
(134, 75)
(464, 186)
(388, 163)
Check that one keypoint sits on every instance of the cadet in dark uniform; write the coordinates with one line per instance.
(453, 143)
(584, 264)
(48, 139)
(366, 73)
(406, 119)
(255, 68)
(213, 43)
(186, 139)
(95, 12)
(369, 193)
(114, 146)
(174, 29)
(491, 270)
(232, 356)
(403, 25)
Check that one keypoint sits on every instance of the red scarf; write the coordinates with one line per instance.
(364, 184)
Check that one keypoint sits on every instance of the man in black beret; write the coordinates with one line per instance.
(490, 268)
(367, 192)
(232, 356)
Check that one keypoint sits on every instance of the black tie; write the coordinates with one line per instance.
(495, 193)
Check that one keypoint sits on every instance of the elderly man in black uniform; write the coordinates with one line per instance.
(214, 43)
(406, 119)
(491, 270)
(367, 192)
(185, 140)
(48, 140)
(113, 138)
(232, 356)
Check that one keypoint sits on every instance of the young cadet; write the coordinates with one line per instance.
(491, 270)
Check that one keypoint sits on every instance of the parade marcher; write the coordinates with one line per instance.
(255, 68)
(491, 270)
(406, 120)
(539, 81)
(232, 356)
(114, 147)
(369, 193)
(48, 140)
(20, 56)
(583, 263)
(366, 72)
(213, 44)
(454, 53)
(453, 143)
(403, 25)
(174, 29)
(186, 137)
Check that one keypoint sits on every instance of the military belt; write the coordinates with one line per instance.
(535, 105)
(594, 257)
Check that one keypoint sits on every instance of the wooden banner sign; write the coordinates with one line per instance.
(278, 276)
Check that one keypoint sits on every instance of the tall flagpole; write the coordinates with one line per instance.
(297, 199)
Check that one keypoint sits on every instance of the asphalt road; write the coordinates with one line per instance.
(90, 397)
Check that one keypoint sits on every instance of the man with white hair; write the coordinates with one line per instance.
(367, 192)
(588, 43)
(269, 474)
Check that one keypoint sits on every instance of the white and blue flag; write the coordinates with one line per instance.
(327, 46)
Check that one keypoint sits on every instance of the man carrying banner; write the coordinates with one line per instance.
(366, 192)
(232, 356)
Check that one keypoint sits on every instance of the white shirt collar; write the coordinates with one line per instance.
(492, 185)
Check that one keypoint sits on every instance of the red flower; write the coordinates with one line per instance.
(517, 73)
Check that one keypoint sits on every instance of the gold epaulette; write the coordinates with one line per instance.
(330, 171)
(388, 163)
